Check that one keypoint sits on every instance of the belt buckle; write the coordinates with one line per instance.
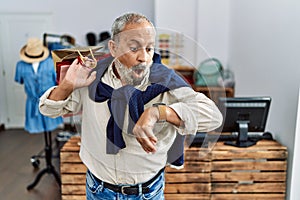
(123, 187)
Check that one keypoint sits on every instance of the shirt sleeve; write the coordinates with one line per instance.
(19, 74)
(54, 109)
(198, 112)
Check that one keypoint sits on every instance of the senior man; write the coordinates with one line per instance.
(135, 112)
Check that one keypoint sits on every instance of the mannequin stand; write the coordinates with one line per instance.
(49, 167)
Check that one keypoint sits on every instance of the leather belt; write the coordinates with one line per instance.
(131, 189)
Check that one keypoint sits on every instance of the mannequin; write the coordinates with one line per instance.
(36, 71)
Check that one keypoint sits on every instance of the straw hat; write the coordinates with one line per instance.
(34, 51)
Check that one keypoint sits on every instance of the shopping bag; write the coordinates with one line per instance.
(63, 58)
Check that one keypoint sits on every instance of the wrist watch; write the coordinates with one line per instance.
(162, 109)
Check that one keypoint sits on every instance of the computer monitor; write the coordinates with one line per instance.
(243, 115)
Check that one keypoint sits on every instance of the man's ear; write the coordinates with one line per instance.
(112, 48)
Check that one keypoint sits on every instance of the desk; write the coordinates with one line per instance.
(222, 173)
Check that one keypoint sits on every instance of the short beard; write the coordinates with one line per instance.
(126, 74)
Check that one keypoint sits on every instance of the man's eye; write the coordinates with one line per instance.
(133, 49)
(149, 49)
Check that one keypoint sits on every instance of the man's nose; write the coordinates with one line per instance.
(143, 56)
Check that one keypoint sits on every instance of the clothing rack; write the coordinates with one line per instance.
(49, 167)
(48, 158)
(35, 159)
(64, 39)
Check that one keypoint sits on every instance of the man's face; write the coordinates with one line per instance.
(134, 50)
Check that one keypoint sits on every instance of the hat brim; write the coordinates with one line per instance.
(32, 60)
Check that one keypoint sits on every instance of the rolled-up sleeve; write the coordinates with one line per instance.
(53, 108)
(198, 112)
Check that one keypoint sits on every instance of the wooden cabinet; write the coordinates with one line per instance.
(72, 171)
(220, 173)
(230, 173)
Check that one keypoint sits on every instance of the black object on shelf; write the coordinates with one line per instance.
(200, 137)
(2, 127)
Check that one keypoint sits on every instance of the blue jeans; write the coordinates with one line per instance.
(96, 191)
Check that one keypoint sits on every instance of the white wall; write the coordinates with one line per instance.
(171, 18)
(213, 28)
(173, 15)
(264, 50)
(204, 24)
(78, 17)
(2, 97)
(295, 182)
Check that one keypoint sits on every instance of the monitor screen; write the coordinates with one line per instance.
(243, 115)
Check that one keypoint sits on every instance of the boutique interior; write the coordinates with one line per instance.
(243, 55)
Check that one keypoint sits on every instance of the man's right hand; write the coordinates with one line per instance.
(77, 76)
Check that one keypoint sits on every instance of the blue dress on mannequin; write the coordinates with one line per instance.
(35, 84)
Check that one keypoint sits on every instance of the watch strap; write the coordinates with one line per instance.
(162, 109)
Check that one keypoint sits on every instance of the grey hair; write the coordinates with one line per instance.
(128, 18)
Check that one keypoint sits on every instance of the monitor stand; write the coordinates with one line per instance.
(242, 139)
